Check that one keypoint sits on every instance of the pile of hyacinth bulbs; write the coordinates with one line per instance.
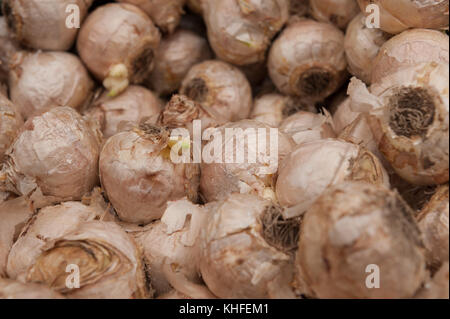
(93, 206)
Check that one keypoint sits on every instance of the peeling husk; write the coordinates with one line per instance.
(240, 31)
(337, 12)
(44, 24)
(306, 127)
(173, 242)
(43, 80)
(408, 114)
(165, 13)
(10, 123)
(354, 225)
(223, 175)
(313, 166)
(362, 45)
(174, 57)
(11, 289)
(139, 176)
(295, 69)
(71, 234)
(14, 214)
(220, 88)
(399, 15)
(407, 49)
(236, 260)
(117, 42)
(134, 105)
(53, 159)
(433, 222)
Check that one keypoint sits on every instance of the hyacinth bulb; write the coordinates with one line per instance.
(54, 158)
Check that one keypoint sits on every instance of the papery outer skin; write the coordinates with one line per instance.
(268, 109)
(44, 80)
(406, 155)
(362, 45)
(121, 275)
(10, 123)
(166, 14)
(229, 94)
(436, 287)
(409, 48)
(219, 180)
(173, 294)
(10, 289)
(51, 222)
(344, 115)
(337, 12)
(240, 32)
(306, 127)
(43, 24)
(53, 159)
(304, 45)
(118, 34)
(354, 225)
(175, 56)
(159, 247)
(14, 214)
(433, 222)
(236, 261)
(136, 103)
(312, 167)
(397, 16)
(139, 180)
(8, 47)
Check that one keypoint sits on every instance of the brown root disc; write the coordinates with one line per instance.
(197, 90)
(314, 82)
(412, 111)
(283, 234)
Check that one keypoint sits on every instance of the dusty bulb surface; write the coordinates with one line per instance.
(344, 115)
(10, 123)
(175, 56)
(306, 127)
(44, 80)
(240, 32)
(53, 33)
(337, 12)
(295, 69)
(173, 242)
(220, 88)
(397, 16)
(8, 47)
(362, 45)
(135, 104)
(436, 287)
(14, 214)
(71, 233)
(224, 175)
(246, 249)
(410, 48)
(433, 223)
(350, 227)
(270, 109)
(165, 13)
(139, 177)
(11, 289)
(54, 158)
(312, 167)
(118, 58)
(408, 114)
